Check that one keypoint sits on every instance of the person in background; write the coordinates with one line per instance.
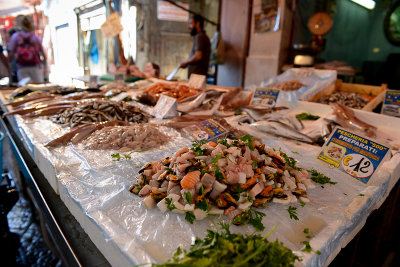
(26, 47)
(5, 69)
(13, 62)
(151, 70)
(201, 49)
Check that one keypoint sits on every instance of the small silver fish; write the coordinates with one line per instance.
(280, 129)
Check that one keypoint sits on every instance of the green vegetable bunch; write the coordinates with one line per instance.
(223, 248)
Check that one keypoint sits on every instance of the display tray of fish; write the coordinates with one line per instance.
(99, 111)
(175, 90)
(228, 177)
(117, 135)
(351, 100)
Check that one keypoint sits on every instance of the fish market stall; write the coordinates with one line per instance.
(140, 189)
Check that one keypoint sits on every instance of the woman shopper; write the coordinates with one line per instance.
(26, 47)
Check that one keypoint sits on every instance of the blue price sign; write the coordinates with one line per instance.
(353, 154)
(391, 105)
(265, 97)
(208, 130)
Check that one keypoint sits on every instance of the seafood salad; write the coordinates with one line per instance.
(228, 177)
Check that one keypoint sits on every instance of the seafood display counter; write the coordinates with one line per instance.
(94, 181)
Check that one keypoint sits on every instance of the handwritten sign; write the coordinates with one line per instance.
(166, 107)
(391, 104)
(353, 154)
(197, 81)
(265, 97)
(112, 26)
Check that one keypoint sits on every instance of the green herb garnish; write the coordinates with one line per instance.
(217, 157)
(307, 117)
(196, 147)
(201, 190)
(302, 203)
(248, 139)
(224, 142)
(306, 231)
(223, 248)
(116, 156)
(295, 152)
(291, 162)
(204, 172)
(320, 178)
(308, 248)
(361, 195)
(203, 205)
(190, 217)
(254, 164)
(188, 197)
(170, 205)
(293, 213)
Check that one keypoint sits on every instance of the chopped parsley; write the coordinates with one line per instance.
(320, 178)
(254, 163)
(307, 117)
(361, 195)
(190, 217)
(116, 156)
(302, 203)
(201, 190)
(249, 140)
(221, 247)
(170, 205)
(291, 162)
(217, 157)
(293, 213)
(306, 231)
(188, 197)
(203, 205)
(295, 152)
(196, 147)
(307, 248)
(204, 172)
(251, 217)
(224, 142)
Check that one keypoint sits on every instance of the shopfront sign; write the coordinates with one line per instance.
(265, 97)
(391, 104)
(168, 11)
(355, 155)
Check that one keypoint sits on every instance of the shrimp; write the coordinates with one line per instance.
(190, 179)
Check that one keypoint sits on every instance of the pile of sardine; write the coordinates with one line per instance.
(227, 177)
(351, 100)
(99, 111)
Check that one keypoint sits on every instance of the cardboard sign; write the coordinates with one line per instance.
(197, 81)
(93, 81)
(391, 104)
(265, 97)
(112, 26)
(166, 107)
(208, 130)
(355, 155)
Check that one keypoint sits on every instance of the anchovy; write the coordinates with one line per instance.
(280, 129)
